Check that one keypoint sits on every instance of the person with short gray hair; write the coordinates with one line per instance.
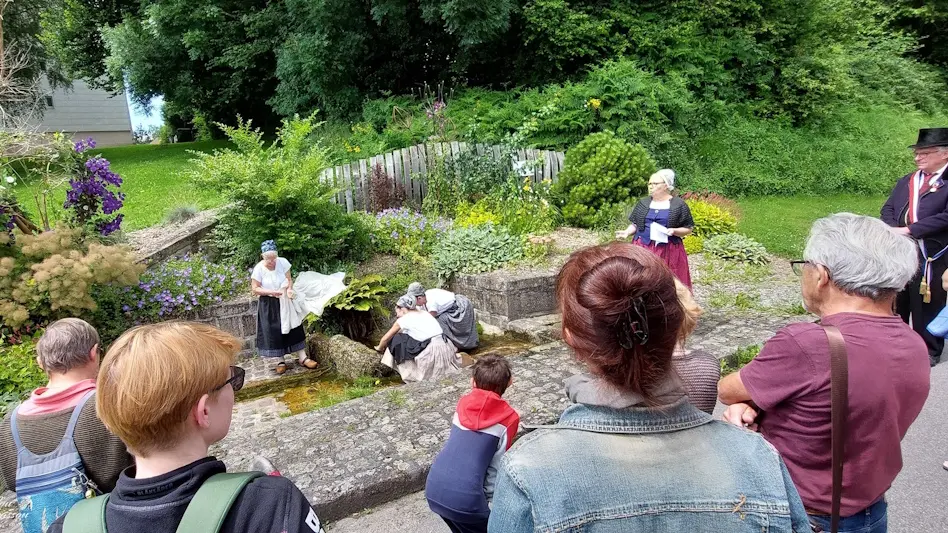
(918, 207)
(852, 270)
(68, 351)
(66, 345)
(865, 259)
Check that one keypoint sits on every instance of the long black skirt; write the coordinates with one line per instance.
(271, 342)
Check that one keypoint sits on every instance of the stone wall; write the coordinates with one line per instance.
(178, 245)
(503, 296)
(237, 317)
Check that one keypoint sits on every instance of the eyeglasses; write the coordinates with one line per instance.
(797, 266)
(236, 379)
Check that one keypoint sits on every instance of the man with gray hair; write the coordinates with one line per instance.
(68, 352)
(918, 207)
(852, 268)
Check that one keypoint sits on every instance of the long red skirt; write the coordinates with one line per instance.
(674, 256)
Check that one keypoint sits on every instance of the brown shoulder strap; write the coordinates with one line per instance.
(839, 392)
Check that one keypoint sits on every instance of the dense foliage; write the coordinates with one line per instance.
(711, 220)
(406, 233)
(275, 191)
(684, 62)
(53, 274)
(475, 249)
(19, 373)
(600, 174)
(176, 288)
(736, 247)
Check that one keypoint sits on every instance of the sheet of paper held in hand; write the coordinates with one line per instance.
(658, 233)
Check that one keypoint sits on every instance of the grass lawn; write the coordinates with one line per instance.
(152, 182)
(782, 223)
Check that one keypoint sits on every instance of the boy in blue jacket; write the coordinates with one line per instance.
(461, 481)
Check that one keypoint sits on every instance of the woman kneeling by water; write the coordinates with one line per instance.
(415, 346)
(631, 453)
(454, 312)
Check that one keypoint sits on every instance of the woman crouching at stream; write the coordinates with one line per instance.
(416, 346)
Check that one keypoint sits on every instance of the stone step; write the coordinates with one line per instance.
(540, 329)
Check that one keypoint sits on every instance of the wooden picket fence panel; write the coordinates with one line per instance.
(409, 166)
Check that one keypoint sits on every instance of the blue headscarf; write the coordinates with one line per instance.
(268, 246)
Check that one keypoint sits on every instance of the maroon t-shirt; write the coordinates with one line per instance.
(888, 384)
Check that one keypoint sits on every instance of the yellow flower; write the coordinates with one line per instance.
(595, 103)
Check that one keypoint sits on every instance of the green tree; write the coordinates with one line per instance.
(928, 20)
(70, 31)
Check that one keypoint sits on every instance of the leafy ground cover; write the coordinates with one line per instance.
(781, 224)
(152, 181)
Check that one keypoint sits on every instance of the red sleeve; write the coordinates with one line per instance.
(781, 371)
(513, 425)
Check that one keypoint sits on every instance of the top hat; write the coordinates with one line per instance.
(929, 137)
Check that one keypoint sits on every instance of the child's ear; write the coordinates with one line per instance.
(473, 384)
(509, 383)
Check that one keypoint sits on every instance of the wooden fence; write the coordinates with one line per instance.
(409, 167)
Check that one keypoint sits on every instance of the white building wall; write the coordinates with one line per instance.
(86, 112)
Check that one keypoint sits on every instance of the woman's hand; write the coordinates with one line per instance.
(624, 234)
(291, 294)
(379, 348)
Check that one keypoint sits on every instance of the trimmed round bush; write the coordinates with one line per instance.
(711, 220)
(736, 247)
(600, 174)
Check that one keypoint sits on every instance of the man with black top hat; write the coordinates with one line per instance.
(918, 207)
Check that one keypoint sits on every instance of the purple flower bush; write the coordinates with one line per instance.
(177, 288)
(407, 233)
(93, 194)
(6, 221)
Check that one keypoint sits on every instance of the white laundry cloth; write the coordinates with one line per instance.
(312, 291)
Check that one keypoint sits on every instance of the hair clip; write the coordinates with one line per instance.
(633, 327)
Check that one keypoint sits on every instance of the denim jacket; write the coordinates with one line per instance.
(640, 469)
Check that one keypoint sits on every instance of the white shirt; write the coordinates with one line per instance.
(438, 300)
(939, 174)
(419, 325)
(271, 280)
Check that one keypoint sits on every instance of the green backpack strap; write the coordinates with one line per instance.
(87, 516)
(209, 507)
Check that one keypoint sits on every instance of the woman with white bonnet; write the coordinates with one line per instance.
(454, 312)
(269, 279)
(659, 222)
(415, 346)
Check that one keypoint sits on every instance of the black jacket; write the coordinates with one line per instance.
(932, 222)
(679, 215)
(268, 504)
